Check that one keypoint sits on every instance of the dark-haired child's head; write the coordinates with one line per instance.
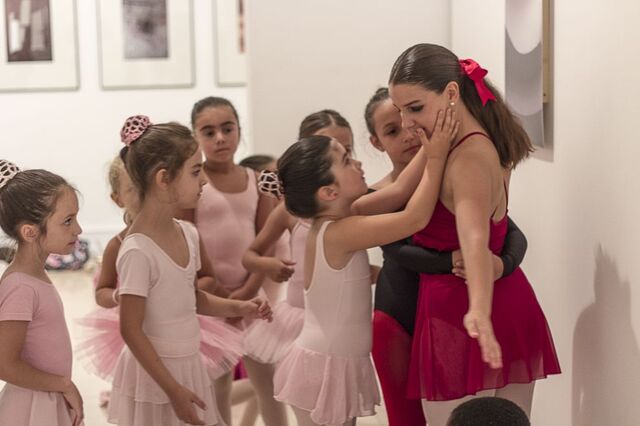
(166, 157)
(259, 162)
(317, 171)
(216, 127)
(386, 132)
(37, 206)
(328, 123)
(488, 411)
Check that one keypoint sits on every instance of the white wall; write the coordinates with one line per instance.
(77, 133)
(579, 205)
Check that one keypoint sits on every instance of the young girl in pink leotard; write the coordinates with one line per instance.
(161, 375)
(38, 209)
(327, 376)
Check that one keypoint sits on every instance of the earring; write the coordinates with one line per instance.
(452, 104)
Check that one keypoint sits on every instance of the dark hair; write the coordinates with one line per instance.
(488, 411)
(303, 169)
(30, 197)
(320, 120)
(212, 102)
(7, 254)
(433, 67)
(161, 146)
(257, 162)
(381, 95)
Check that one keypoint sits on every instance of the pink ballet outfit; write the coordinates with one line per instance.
(220, 344)
(328, 370)
(172, 326)
(446, 363)
(102, 344)
(267, 342)
(227, 225)
(47, 347)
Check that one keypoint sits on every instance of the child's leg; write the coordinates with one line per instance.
(222, 386)
(242, 392)
(250, 413)
(303, 417)
(520, 393)
(261, 375)
(438, 412)
(391, 351)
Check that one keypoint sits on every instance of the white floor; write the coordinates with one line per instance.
(76, 291)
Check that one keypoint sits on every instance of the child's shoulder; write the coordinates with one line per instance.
(136, 242)
(283, 218)
(188, 227)
(115, 242)
(190, 233)
(14, 281)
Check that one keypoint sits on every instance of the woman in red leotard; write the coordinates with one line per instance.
(397, 286)
(474, 335)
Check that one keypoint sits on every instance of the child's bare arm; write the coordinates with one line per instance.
(361, 232)
(208, 304)
(105, 293)
(257, 259)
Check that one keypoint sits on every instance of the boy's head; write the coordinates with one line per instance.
(488, 411)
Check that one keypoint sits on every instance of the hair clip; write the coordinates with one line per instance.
(8, 171)
(133, 128)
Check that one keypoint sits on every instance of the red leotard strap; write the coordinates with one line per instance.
(467, 136)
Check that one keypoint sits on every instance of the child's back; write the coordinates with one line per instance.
(329, 365)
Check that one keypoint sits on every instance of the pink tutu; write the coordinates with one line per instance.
(220, 345)
(334, 389)
(136, 399)
(26, 407)
(100, 349)
(268, 342)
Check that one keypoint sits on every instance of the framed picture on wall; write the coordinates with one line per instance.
(38, 48)
(146, 43)
(526, 70)
(230, 43)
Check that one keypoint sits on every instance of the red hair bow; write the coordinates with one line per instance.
(476, 73)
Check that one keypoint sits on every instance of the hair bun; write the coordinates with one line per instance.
(133, 128)
(269, 183)
(8, 171)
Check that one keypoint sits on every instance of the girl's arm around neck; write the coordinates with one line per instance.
(395, 195)
(353, 233)
(361, 232)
